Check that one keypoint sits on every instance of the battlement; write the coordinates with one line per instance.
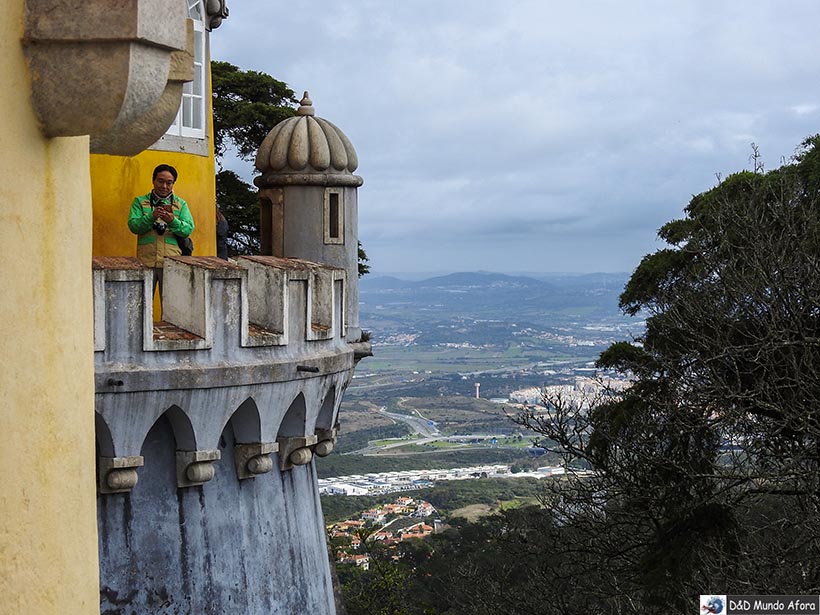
(256, 347)
(268, 301)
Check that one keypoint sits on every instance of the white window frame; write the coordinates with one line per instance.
(196, 12)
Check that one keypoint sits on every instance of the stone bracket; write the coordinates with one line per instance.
(138, 127)
(361, 350)
(295, 451)
(195, 468)
(217, 11)
(118, 474)
(129, 44)
(253, 459)
(326, 441)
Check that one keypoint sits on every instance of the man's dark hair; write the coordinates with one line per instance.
(164, 167)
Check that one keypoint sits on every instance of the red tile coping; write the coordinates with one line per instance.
(207, 262)
(287, 263)
(116, 262)
(166, 331)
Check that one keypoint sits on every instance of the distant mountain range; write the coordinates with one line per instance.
(485, 279)
(554, 297)
(477, 279)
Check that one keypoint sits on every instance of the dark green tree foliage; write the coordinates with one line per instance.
(708, 467)
(247, 104)
(520, 561)
(364, 268)
(240, 206)
(380, 590)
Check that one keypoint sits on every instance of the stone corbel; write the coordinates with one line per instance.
(217, 10)
(195, 468)
(361, 350)
(295, 451)
(95, 61)
(326, 441)
(254, 459)
(118, 474)
(130, 134)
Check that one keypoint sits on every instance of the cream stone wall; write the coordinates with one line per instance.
(48, 536)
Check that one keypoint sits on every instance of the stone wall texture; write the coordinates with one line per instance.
(253, 547)
(207, 424)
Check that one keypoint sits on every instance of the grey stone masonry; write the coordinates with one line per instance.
(207, 425)
(257, 345)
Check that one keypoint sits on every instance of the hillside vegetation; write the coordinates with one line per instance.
(705, 473)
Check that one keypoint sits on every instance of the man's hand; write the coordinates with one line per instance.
(165, 214)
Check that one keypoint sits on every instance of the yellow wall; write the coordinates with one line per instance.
(116, 180)
(48, 529)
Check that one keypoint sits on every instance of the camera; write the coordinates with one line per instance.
(160, 226)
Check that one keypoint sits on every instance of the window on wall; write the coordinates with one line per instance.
(334, 216)
(190, 121)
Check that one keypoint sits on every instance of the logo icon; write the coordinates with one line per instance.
(712, 605)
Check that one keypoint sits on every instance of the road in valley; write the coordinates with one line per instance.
(420, 425)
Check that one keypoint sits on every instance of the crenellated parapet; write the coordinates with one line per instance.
(256, 347)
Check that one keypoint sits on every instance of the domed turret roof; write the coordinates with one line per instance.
(305, 144)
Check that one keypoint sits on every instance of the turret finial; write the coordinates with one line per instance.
(306, 107)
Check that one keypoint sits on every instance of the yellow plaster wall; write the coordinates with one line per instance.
(116, 180)
(48, 528)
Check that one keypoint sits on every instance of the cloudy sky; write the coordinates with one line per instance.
(532, 135)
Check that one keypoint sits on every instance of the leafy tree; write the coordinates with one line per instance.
(707, 469)
(364, 268)
(380, 590)
(247, 104)
(240, 206)
(519, 561)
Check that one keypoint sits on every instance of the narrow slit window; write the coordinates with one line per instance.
(333, 214)
(334, 217)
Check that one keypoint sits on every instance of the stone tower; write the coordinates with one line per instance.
(308, 199)
(185, 446)
(209, 420)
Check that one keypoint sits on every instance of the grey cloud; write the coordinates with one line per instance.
(578, 128)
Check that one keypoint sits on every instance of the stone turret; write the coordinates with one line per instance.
(207, 423)
(308, 199)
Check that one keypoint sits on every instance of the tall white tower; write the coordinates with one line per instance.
(477, 387)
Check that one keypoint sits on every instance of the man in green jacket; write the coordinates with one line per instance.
(157, 218)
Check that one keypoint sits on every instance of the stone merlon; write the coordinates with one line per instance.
(258, 343)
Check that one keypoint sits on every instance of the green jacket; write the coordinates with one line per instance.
(152, 247)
